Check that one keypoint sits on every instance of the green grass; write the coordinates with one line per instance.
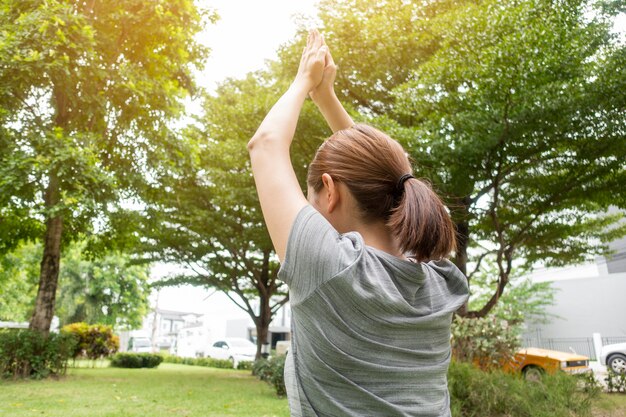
(170, 390)
(613, 405)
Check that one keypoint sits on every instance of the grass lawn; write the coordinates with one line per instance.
(610, 405)
(169, 390)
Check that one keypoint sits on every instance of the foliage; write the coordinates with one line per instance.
(208, 362)
(29, 354)
(524, 301)
(136, 360)
(19, 270)
(207, 216)
(245, 365)
(512, 109)
(488, 342)
(272, 371)
(108, 289)
(589, 383)
(92, 341)
(87, 91)
(615, 382)
(475, 393)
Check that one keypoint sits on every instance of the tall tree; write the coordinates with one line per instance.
(207, 217)
(87, 91)
(514, 110)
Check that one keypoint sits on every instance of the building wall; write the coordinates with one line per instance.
(585, 306)
(616, 263)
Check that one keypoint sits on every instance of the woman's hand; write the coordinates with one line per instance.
(312, 63)
(326, 87)
(323, 93)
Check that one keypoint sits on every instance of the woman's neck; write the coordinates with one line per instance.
(378, 236)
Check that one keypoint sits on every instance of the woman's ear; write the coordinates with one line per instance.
(331, 192)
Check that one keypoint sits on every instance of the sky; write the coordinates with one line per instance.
(248, 33)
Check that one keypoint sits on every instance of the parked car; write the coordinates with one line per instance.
(534, 362)
(614, 357)
(139, 345)
(234, 349)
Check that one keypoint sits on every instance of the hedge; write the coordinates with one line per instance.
(136, 360)
(26, 353)
(208, 362)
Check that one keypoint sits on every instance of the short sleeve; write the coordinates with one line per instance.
(316, 252)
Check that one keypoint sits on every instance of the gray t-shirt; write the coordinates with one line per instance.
(370, 331)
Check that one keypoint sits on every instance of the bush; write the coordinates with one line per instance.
(615, 382)
(477, 393)
(136, 360)
(26, 353)
(208, 362)
(245, 365)
(487, 342)
(93, 341)
(272, 371)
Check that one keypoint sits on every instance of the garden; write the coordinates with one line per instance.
(116, 157)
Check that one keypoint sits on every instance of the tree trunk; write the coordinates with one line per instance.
(50, 263)
(462, 230)
(262, 325)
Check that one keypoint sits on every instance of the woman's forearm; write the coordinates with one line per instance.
(333, 111)
(279, 126)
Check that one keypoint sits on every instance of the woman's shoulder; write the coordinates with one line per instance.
(450, 274)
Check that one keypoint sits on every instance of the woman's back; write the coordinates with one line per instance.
(370, 331)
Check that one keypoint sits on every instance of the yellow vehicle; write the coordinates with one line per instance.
(534, 362)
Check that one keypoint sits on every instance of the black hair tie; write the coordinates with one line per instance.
(402, 180)
(400, 185)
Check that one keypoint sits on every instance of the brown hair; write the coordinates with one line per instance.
(371, 164)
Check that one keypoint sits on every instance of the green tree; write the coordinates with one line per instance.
(206, 216)
(514, 110)
(87, 91)
(110, 289)
(18, 282)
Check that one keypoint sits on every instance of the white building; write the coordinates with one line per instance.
(589, 299)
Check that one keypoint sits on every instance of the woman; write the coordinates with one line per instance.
(371, 298)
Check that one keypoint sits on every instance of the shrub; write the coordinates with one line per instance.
(26, 353)
(488, 342)
(93, 341)
(245, 365)
(208, 362)
(615, 382)
(272, 371)
(136, 360)
(477, 393)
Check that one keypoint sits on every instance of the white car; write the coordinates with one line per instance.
(140, 345)
(614, 357)
(234, 349)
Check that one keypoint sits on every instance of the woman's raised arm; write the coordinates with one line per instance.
(279, 192)
(326, 100)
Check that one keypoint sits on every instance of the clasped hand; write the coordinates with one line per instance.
(317, 70)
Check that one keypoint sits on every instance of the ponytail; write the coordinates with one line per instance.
(421, 223)
(375, 169)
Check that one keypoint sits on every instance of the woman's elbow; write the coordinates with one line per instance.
(256, 140)
(265, 141)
